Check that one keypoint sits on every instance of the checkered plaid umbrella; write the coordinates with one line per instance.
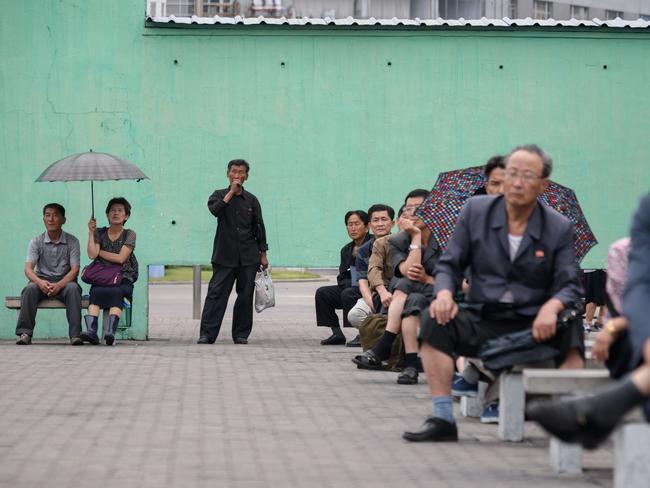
(565, 201)
(91, 166)
(441, 208)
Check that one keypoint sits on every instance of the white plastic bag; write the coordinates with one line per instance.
(264, 292)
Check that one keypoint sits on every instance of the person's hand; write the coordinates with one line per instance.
(264, 261)
(410, 228)
(602, 343)
(443, 308)
(417, 273)
(92, 225)
(386, 297)
(545, 324)
(236, 187)
(45, 286)
(368, 301)
(55, 289)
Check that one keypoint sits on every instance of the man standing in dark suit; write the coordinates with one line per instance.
(522, 273)
(239, 250)
(590, 420)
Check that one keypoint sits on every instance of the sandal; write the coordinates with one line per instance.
(367, 360)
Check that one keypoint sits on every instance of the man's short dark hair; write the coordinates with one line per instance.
(493, 163)
(359, 213)
(420, 192)
(239, 162)
(547, 162)
(56, 206)
(119, 201)
(380, 207)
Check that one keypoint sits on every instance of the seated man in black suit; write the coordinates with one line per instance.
(589, 420)
(342, 295)
(522, 273)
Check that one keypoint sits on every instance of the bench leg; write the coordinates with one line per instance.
(565, 458)
(632, 456)
(473, 407)
(512, 399)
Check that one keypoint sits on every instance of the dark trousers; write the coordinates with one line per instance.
(467, 332)
(219, 289)
(330, 298)
(32, 294)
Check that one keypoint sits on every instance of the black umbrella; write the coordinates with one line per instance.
(92, 166)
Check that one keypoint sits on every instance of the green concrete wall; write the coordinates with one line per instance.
(336, 127)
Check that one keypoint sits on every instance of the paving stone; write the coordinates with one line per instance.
(282, 411)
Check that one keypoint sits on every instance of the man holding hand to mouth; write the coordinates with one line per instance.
(239, 250)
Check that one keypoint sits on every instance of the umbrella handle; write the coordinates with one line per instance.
(92, 199)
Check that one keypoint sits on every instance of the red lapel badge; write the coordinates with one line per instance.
(539, 253)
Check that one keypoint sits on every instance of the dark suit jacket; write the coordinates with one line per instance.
(398, 246)
(544, 267)
(344, 278)
(241, 234)
(637, 293)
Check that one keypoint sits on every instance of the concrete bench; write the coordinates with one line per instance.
(631, 441)
(473, 406)
(565, 458)
(632, 455)
(539, 381)
(13, 303)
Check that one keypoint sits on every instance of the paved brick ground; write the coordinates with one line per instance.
(280, 412)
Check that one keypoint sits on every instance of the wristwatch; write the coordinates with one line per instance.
(413, 247)
(611, 328)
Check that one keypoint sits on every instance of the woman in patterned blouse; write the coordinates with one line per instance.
(113, 244)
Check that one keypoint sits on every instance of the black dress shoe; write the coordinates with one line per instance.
(571, 421)
(356, 342)
(367, 360)
(408, 377)
(240, 340)
(434, 430)
(204, 340)
(333, 340)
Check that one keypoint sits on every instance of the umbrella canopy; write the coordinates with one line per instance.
(91, 166)
(441, 208)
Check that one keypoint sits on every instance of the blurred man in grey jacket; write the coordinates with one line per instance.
(522, 273)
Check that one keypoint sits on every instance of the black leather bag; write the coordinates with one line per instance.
(516, 348)
(520, 347)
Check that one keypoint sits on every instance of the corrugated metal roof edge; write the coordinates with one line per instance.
(395, 22)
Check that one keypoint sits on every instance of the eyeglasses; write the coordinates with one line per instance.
(526, 176)
(410, 209)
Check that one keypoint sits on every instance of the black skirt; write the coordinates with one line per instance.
(111, 296)
(595, 282)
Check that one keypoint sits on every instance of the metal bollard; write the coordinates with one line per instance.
(196, 289)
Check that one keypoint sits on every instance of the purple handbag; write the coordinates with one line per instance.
(102, 274)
